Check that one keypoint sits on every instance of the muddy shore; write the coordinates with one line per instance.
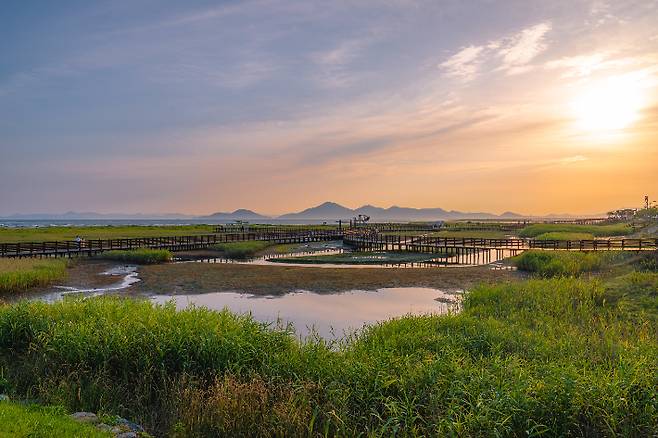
(186, 278)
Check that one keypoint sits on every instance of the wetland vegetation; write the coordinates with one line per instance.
(30, 420)
(570, 347)
(558, 356)
(33, 234)
(18, 275)
(243, 250)
(142, 256)
(537, 230)
(567, 263)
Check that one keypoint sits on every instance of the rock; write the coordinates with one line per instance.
(104, 427)
(4, 397)
(116, 430)
(127, 435)
(134, 427)
(85, 417)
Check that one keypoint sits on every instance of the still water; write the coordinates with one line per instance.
(329, 315)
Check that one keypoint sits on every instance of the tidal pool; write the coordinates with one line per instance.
(331, 316)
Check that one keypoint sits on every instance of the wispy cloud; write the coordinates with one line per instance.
(514, 52)
(586, 64)
(463, 64)
(520, 49)
(334, 64)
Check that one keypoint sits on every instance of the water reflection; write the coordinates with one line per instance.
(331, 315)
(482, 257)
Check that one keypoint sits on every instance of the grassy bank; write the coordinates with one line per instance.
(567, 263)
(242, 250)
(562, 235)
(553, 357)
(17, 275)
(99, 232)
(143, 256)
(126, 231)
(361, 258)
(595, 230)
(42, 422)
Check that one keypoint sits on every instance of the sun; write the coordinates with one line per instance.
(609, 105)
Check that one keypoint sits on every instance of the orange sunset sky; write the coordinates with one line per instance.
(278, 105)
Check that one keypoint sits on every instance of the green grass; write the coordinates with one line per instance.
(596, 230)
(125, 231)
(242, 250)
(41, 422)
(361, 258)
(563, 235)
(638, 291)
(558, 357)
(142, 256)
(17, 275)
(567, 263)
(100, 232)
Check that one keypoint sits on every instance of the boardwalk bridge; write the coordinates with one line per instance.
(367, 239)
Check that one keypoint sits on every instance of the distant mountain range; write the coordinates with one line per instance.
(328, 211)
(240, 214)
(333, 211)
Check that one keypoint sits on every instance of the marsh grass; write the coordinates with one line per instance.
(100, 232)
(144, 256)
(563, 235)
(554, 357)
(17, 275)
(125, 231)
(242, 250)
(567, 263)
(595, 230)
(42, 422)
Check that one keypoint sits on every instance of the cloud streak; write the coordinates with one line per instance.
(514, 53)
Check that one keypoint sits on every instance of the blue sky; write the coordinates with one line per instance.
(155, 106)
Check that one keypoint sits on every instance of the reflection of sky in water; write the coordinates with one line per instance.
(340, 312)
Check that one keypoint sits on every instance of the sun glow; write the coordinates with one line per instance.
(609, 105)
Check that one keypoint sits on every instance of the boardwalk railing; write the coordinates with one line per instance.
(361, 239)
(427, 243)
(174, 243)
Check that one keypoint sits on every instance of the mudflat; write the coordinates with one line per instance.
(277, 280)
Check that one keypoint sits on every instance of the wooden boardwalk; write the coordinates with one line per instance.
(367, 240)
(174, 243)
(443, 244)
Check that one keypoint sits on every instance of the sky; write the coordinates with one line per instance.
(195, 107)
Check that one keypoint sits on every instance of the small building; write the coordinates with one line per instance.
(623, 214)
